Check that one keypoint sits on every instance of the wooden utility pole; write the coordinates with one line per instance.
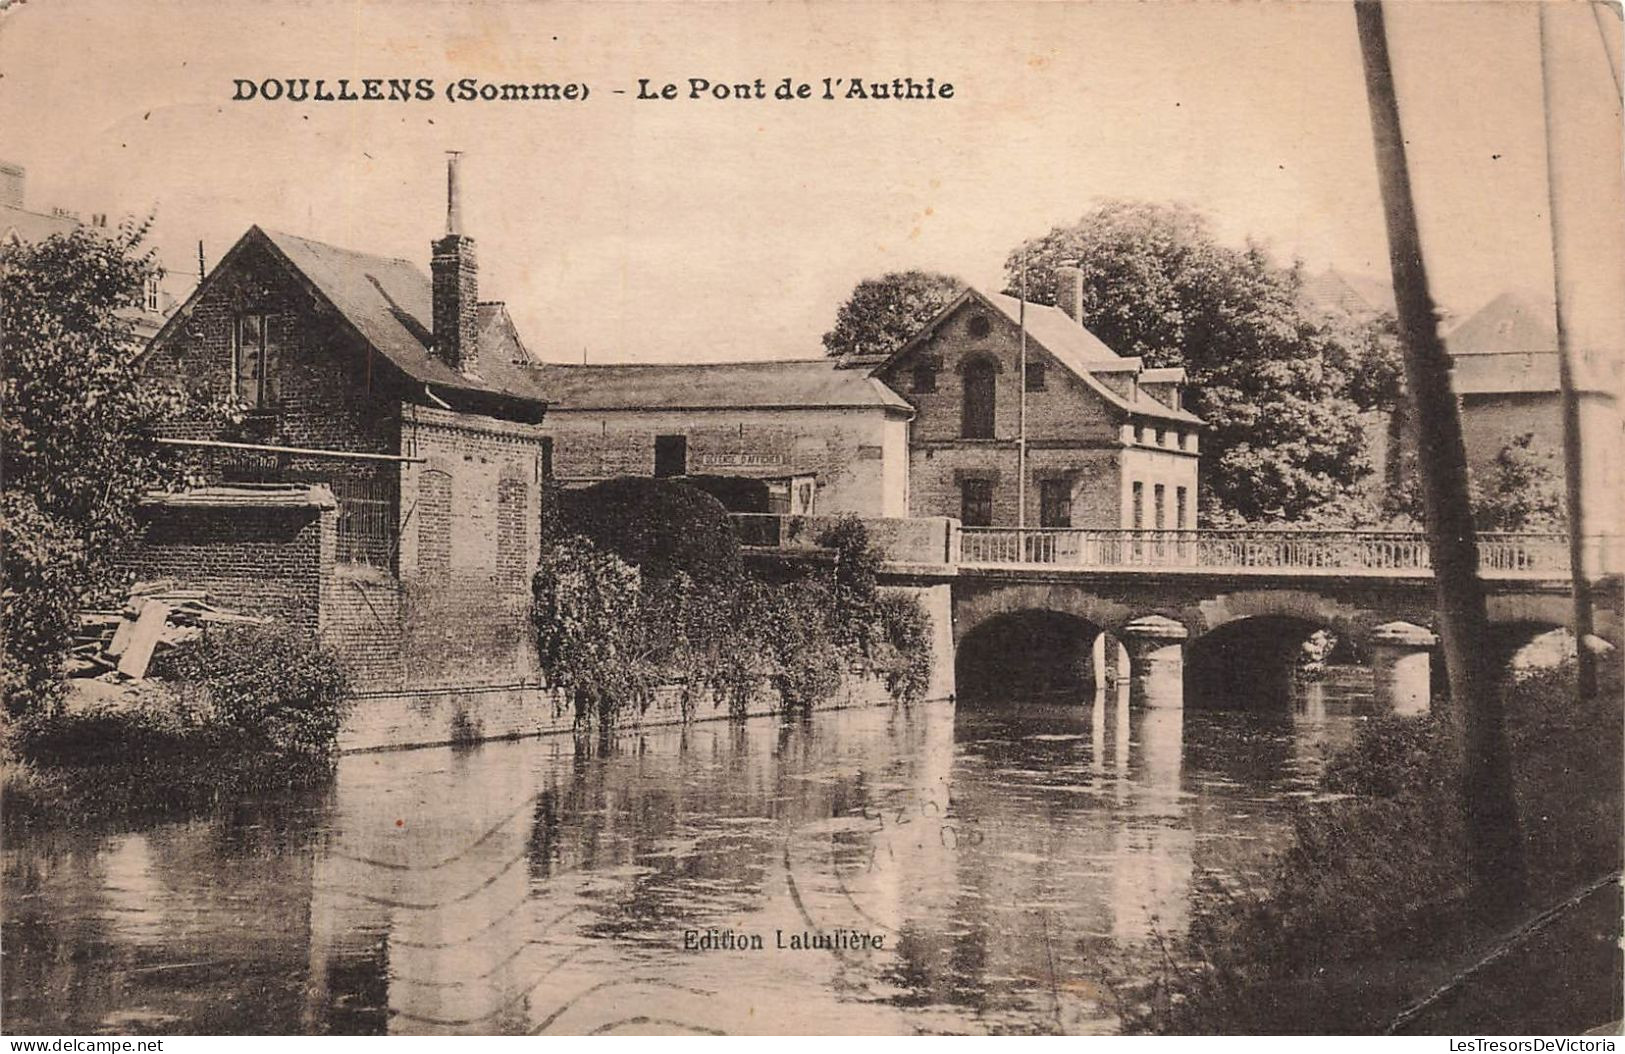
(1475, 702)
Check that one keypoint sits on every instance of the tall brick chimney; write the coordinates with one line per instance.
(1069, 289)
(456, 274)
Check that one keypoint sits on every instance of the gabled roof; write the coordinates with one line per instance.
(781, 384)
(1074, 347)
(1508, 323)
(388, 303)
(20, 225)
(1356, 294)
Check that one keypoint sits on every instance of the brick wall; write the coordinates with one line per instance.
(270, 561)
(855, 453)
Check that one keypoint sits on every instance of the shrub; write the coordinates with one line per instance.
(656, 525)
(1374, 886)
(857, 586)
(900, 651)
(587, 608)
(264, 689)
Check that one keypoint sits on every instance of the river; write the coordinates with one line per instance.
(979, 871)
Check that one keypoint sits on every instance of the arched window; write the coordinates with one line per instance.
(977, 422)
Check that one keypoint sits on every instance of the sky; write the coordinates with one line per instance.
(622, 229)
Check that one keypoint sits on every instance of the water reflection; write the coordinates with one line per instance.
(551, 886)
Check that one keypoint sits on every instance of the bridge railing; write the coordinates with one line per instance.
(938, 540)
(1385, 552)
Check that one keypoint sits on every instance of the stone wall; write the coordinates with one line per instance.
(430, 717)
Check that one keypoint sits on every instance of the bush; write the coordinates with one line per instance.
(900, 651)
(656, 525)
(1372, 896)
(587, 608)
(245, 709)
(857, 588)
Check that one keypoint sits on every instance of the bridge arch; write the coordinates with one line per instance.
(1030, 653)
(974, 606)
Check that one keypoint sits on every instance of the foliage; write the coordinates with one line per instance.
(736, 493)
(609, 635)
(1371, 899)
(245, 709)
(1278, 384)
(74, 453)
(586, 607)
(857, 580)
(882, 314)
(659, 526)
(1522, 491)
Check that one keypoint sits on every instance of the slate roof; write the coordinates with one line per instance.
(781, 384)
(1356, 294)
(27, 226)
(1508, 323)
(1074, 347)
(390, 303)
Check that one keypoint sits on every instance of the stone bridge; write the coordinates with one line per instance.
(1214, 612)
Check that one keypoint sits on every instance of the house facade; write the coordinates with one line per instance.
(823, 439)
(1108, 445)
(388, 420)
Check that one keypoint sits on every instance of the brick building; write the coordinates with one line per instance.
(1504, 369)
(1108, 444)
(384, 484)
(824, 439)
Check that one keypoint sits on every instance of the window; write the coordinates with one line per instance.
(979, 326)
(977, 420)
(149, 294)
(671, 455)
(253, 352)
(1035, 375)
(366, 522)
(1139, 505)
(1180, 508)
(1161, 438)
(925, 377)
(1055, 503)
(1158, 495)
(976, 502)
(547, 458)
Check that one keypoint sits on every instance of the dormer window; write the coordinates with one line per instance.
(149, 293)
(925, 378)
(253, 352)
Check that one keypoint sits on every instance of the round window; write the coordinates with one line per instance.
(979, 326)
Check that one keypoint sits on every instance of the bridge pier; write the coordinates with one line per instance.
(1401, 667)
(1156, 657)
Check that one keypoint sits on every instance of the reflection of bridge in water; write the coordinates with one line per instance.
(1214, 610)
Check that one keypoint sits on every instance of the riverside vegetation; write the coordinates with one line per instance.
(1370, 910)
(642, 584)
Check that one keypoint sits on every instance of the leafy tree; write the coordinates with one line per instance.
(1521, 491)
(74, 435)
(883, 313)
(1275, 382)
(659, 526)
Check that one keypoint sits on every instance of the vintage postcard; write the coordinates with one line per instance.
(827, 518)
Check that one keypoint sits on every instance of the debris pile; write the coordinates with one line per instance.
(157, 616)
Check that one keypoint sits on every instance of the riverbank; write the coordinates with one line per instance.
(1366, 922)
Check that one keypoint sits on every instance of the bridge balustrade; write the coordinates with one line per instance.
(1378, 553)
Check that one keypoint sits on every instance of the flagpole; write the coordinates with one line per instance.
(1021, 440)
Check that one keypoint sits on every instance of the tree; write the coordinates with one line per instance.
(1524, 491)
(661, 527)
(1275, 381)
(77, 457)
(883, 313)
